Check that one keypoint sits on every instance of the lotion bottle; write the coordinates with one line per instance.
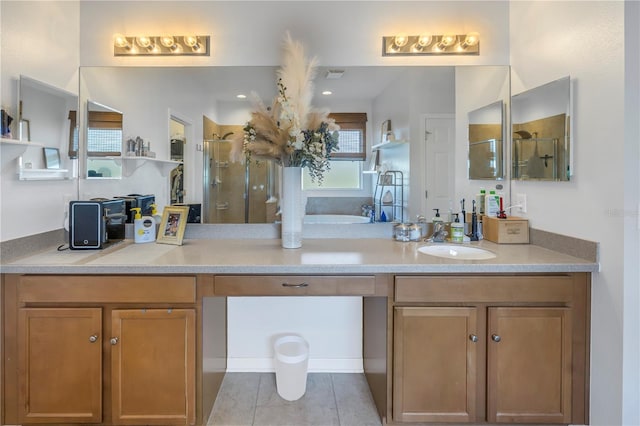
(457, 230)
(493, 204)
(144, 227)
(156, 217)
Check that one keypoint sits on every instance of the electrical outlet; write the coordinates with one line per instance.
(521, 201)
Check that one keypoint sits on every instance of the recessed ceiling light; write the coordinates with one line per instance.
(327, 92)
(241, 96)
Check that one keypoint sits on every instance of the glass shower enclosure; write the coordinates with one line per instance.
(235, 192)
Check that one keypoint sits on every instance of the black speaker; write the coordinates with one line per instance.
(86, 225)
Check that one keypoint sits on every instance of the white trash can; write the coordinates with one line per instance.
(291, 360)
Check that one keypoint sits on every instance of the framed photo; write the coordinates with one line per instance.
(51, 158)
(385, 131)
(172, 225)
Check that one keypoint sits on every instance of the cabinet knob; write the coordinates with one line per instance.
(473, 338)
(114, 340)
(93, 338)
(495, 338)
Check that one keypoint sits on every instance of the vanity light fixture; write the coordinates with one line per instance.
(431, 44)
(165, 45)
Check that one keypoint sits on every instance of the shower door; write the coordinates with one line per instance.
(233, 192)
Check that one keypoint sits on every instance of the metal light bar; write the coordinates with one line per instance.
(165, 45)
(440, 44)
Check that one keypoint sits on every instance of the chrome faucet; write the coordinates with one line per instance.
(439, 233)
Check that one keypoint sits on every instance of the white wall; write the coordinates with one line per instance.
(43, 47)
(586, 41)
(631, 327)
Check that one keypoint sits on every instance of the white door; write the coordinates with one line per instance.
(439, 142)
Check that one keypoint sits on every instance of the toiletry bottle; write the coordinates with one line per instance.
(437, 217)
(457, 229)
(480, 201)
(492, 207)
(156, 217)
(144, 227)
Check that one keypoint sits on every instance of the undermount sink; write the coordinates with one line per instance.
(461, 252)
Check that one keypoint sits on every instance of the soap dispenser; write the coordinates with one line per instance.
(144, 227)
(457, 230)
(156, 217)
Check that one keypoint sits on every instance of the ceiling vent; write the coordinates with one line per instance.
(334, 74)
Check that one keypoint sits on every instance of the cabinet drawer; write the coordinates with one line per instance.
(484, 288)
(106, 289)
(294, 285)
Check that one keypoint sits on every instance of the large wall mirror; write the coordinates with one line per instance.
(147, 97)
(486, 131)
(542, 144)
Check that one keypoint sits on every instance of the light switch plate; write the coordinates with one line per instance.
(521, 201)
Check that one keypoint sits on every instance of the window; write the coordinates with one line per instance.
(346, 163)
(353, 131)
(104, 134)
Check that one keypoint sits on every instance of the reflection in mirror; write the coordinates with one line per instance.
(541, 119)
(485, 142)
(207, 98)
(104, 141)
(47, 115)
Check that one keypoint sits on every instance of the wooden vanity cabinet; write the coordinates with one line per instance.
(495, 349)
(110, 359)
(60, 365)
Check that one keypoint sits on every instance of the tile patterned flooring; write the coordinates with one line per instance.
(331, 399)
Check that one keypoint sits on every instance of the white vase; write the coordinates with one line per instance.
(292, 207)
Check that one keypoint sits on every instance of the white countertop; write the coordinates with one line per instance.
(266, 256)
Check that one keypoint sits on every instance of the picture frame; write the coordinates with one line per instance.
(172, 225)
(51, 158)
(385, 130)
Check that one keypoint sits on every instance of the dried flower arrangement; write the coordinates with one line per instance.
(290, 131)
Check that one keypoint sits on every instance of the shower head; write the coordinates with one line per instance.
(226, 135)
(523, 134)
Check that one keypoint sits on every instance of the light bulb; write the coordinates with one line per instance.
(399, 41)
(423, 41)
(121, 41)
(143, 41)
(446, 41)
(471, 39)
(190, 40)
(167, 41)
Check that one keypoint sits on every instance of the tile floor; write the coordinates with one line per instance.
(340, 399)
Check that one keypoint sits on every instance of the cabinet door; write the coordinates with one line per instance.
(153, 366)
(434, 364)
(60, 365)
(529, 365)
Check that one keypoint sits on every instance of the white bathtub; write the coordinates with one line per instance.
(334, 219)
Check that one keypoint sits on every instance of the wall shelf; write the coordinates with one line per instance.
(13, 148)
(131, 164)
(388, 144)
(43, 174)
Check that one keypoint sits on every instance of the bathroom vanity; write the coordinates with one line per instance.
(503, 340)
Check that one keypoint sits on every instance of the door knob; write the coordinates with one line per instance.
(473, 338)
(114, 340)
(495, 338)
(93, 338)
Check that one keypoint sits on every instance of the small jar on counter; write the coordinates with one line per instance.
(401, 232)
